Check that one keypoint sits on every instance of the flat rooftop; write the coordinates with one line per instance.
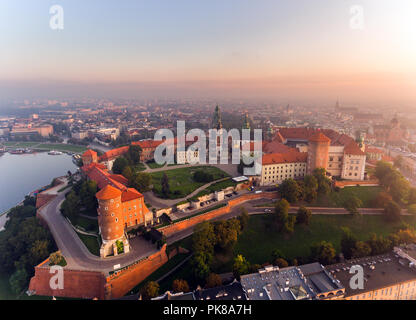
(379, 272)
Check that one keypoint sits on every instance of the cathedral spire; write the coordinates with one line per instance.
(216, 119)
(246, 124)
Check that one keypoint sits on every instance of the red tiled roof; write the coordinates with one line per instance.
(89, 152)
(87, 168)
(373, 150)
(354, 149)
(319, 137)
(119, 178)
(337, 139)
(146, 144)
(108, 192)
(114, 153)
(277, 147)
(130, 194)
(289, 157)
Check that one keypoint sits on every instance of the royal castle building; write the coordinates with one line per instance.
(295, 152)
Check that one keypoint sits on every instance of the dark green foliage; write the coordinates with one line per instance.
(290, 190)
(202, 176)
(303, 216)
(119, 165)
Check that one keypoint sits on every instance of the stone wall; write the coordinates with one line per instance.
(77, 283)
(188, 223)
(120, 283)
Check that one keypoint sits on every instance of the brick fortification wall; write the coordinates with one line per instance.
(188, 223)
(123, 281)
(351, 183)
(93, 284)
(77, 284)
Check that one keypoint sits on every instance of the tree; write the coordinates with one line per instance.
(352, 204)
(244, 218)
(165, 185)
(303, 216)
(379, 245)
(203, 176)
(150, 290)
(213, 280)
(203, 241)
(412, 209)
(310, 188)
(411, 198)
(392, 211)
(290, 190)
(18, 281)
(348, 242)
(281, 263)
(70, 206)
(382, 171)
(383, 198)
(324, 252)
(361, 249)
(227, 233)
(119, 165)
(87, 195)
(133, 155)
(127, 173)
(398, 161)
(56, 258)
(180, 285)
(277, 254)
(141, 181)
(240, 266)
(324, 184)
(284, 222)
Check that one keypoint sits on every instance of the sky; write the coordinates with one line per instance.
(297, 49)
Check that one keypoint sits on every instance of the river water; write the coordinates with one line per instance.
(22, 174)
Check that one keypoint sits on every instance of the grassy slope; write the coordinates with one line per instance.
(181, 180)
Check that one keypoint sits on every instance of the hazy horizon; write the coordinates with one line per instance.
(294, 51)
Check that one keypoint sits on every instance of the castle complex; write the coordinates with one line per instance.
(295, 152)
(119, 207)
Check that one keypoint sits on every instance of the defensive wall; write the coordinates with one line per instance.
(192, 221)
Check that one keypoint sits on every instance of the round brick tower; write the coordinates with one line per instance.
(318, 152)
(110, 213)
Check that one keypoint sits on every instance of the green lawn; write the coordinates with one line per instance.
(181, 180)
(139, 167)
(261, 231)
(61, 147)
(154, 165)
(91, 243)
(337, 199)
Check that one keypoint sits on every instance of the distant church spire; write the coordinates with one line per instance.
(216, 119)
(246, 124)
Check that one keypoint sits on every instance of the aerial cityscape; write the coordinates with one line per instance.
(222, 150)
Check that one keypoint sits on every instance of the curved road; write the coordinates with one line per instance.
(74, 250)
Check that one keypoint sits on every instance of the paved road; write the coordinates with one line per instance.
(157, 202)
(74, 250)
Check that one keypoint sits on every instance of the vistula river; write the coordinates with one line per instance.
(24, 173)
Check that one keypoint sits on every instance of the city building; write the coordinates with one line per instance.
(390, 276)
(307, 282)
(232, 291)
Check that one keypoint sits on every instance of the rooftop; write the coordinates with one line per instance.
(232, 291)
(379, 272)
(108, 192)
(288, 157)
